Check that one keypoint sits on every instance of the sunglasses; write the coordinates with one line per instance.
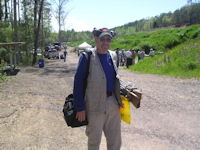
(105, 40)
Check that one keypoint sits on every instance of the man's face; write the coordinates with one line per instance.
(103, 43)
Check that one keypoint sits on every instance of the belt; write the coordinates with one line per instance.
(109, 94)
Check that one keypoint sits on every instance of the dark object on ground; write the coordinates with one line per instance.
(41, 62)
(11, 70)
(61, 56)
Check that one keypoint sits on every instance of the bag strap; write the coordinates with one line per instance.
(88, 53)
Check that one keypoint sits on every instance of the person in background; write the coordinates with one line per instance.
(141, 54)
(102, 101)
(151, 53)
(128, 56)
(122, 58)
(65, 55)
(117, 52)
(133, 56)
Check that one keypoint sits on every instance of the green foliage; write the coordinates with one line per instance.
(71, 35)
(4, 54)
(161, 40)
(3, 76)
(26, 60)
(5, 32)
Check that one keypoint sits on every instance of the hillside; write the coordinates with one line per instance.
(161, 40)
(180, 47)
(180, 61)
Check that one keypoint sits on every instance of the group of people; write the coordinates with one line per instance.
(125, 57)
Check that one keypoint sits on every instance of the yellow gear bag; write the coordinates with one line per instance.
(125, 111)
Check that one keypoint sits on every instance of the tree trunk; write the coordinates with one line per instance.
(37, 29)
(16, 32)
(19, 11)
(42, 32)
(11, 15)
(59, 21)
(26, 25)
(1, 11)
(61, 14)
(6, 11)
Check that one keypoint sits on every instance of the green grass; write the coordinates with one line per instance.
(181, 61)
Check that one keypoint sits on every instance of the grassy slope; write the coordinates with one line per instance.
(181, 61)
(181, 47)
(160, 39)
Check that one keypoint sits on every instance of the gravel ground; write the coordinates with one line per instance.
(31, 111)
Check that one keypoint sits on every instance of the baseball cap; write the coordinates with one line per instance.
(105, 31)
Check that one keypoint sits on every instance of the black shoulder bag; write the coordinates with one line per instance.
(69, 110)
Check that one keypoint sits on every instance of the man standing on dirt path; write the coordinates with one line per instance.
(65, 55)
(102, 98)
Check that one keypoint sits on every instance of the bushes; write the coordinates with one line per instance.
(4, 54)
(3, 76)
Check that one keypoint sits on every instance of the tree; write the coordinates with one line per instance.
(19, 11)
(37, 28)
(60, 14)
(1, 11)
(15, 22)
(15, 31)
(6, 10)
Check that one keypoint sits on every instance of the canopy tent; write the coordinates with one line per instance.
(84, 45)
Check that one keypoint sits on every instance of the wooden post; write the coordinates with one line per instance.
(15, 55)
(11, 59)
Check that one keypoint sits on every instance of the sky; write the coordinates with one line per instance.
(84, 15)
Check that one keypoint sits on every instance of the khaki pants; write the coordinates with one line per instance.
(109, 122)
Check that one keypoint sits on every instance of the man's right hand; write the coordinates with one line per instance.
(80, 116)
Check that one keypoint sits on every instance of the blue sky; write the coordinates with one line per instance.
(87, 14)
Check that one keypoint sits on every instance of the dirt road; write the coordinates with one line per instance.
(31, 111)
